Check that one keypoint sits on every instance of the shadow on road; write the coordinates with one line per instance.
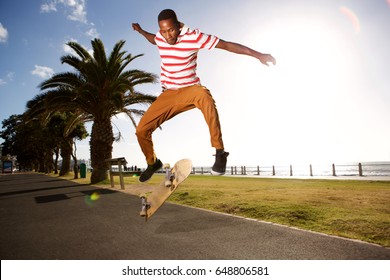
(64, 196)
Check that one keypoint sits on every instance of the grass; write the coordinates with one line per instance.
(356, 209)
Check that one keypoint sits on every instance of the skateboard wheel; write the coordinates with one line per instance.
(166, 166)
(168, 183)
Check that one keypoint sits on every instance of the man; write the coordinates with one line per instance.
(178, 46)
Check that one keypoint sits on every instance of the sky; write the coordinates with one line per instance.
(327, 100)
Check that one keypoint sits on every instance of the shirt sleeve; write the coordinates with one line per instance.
(207, 41)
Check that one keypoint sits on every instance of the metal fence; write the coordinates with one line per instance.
(349, 169)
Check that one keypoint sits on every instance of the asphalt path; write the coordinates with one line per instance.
(43, 217)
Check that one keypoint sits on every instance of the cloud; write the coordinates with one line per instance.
(9, 78)
(3, 34)
(49, 7)
(74, 9)
(92, 33)
(43, 72)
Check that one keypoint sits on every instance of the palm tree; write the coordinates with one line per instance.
(61, 129)
(99, 89)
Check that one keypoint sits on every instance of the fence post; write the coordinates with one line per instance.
(231, 168)
(273, 170)
(360, 169)
(311, 171)
(201, 170)
(235, 170)
(258, 170)
(121, 175)
(291, 171)
(333, 169)
(111, 177)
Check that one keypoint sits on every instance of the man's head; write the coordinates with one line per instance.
(169, 26)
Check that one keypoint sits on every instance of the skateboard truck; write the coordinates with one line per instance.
(173, 177)
(169, 176)
(144, 206)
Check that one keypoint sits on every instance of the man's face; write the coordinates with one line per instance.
(169, 30)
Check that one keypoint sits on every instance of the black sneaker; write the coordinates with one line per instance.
(219, 166)
(148, 173)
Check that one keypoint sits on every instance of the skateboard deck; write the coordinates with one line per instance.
(152, 201)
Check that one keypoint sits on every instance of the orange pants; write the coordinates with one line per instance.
(171, 103)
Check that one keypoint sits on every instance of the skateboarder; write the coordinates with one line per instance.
(182, 90)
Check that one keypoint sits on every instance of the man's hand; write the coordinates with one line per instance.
(136, 27)
(148, 36)
(267, 58)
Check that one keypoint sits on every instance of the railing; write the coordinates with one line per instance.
(353, 169)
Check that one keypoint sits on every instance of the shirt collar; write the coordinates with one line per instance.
(183, 31)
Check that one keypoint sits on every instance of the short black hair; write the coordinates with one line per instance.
(167, 14)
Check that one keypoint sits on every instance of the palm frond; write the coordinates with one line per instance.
(99, 53)
(75, 119)
(68, 79)
(80, 51)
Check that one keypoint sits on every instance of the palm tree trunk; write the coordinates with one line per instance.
(66, 152)
(41, 162)
(76, 168)
(101, 149)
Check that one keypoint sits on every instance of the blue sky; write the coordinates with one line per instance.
(326, 100)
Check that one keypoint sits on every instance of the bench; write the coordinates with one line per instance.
(121, 163)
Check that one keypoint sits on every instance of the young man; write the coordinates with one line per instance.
(178, 46)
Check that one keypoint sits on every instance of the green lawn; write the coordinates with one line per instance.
(356, 209)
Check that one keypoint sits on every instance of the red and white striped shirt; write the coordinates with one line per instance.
(179, 61)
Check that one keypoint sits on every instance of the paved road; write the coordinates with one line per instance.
(43, 217)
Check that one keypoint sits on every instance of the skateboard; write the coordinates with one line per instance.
(152, 201)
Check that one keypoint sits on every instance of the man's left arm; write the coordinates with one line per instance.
(241, 49)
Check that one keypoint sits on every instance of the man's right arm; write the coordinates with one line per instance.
(149, 36)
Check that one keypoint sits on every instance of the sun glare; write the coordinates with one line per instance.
(315, 67)
(352, 18)
(312, 59)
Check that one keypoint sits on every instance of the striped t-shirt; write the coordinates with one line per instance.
(178, 62)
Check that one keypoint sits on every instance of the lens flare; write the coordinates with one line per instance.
(95, 196)
(90, 199)
(352, 18)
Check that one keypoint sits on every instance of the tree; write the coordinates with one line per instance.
(9, 133)
(28, 142)
(63, 130)
(99, 88)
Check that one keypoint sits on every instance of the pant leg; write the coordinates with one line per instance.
(201, 97)
(161, 110)
(171, 103)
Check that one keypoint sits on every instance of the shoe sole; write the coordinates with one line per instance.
(139, 180)
(215, 173)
